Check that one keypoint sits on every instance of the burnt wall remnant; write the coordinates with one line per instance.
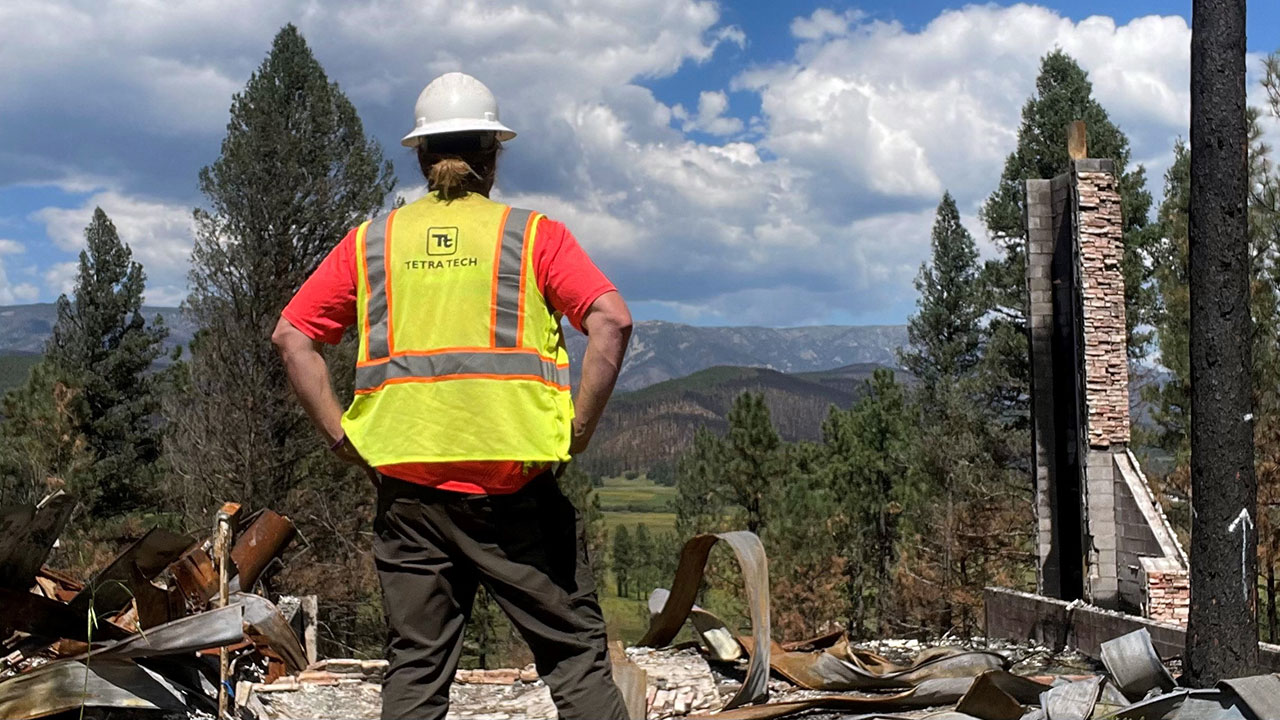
(1101, 536)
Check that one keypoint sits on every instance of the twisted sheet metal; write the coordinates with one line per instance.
(749, 552)
(66, 685)
(27, 534)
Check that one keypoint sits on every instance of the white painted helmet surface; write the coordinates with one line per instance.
(452, 103)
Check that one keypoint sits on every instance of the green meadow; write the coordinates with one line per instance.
(630, 502)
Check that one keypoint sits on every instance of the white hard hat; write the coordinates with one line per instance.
(452, 103)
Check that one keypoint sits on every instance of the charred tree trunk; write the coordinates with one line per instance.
(1271, 597)
(1222, 633)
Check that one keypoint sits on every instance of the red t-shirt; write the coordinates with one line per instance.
(325, 306)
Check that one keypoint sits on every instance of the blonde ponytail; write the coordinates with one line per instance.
(448, 176)
(452, 172)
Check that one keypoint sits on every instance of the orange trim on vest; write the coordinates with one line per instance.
(463, 376)
(497, 265)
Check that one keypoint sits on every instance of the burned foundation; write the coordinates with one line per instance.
(1102, 537)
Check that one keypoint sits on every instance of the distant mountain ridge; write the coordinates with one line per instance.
(25, 328)
(662, 351)
(659, 350)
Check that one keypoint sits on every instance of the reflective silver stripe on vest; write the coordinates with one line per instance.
(369, 377)
(375, 265)
(510, 265)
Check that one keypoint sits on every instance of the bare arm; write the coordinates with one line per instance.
(309, 376)
(608, 327)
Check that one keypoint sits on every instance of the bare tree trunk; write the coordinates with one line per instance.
(1222, 633)
(947, 585)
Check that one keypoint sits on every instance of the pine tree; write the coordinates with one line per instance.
(731, 480)
(624, 559)
(643, 549)
(700, 506)
(960, 457)
(1170, 397)
(578, 487)
(295, 172)
(1063, 94)
(752, 459)
(96, 389)
(945, 334)
(867, 461)
(1264, 208)
(40, 446)
(810, 545)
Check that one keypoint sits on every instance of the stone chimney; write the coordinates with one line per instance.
(1097, 519)
(1101, 248)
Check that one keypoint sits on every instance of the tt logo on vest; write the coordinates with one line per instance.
(442, 240)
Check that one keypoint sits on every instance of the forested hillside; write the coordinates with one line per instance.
(645, 430)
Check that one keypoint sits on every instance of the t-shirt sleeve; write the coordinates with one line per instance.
(566, 276)
(325, 305)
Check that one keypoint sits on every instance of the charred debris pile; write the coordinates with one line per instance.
(170, 628)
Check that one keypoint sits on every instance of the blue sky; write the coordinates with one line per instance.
(731, 163)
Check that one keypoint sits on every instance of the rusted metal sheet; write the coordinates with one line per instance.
(819, 642)
(56, 585)
(108, 591)
(721, 643)
(258, 544)
(196, 576)
(266, 627)
(154, 605)
(985, 699)
(863, 705)
(1072, 700)
(38, 615)
(843, 668)
(1183, 704)
(749, 552)
(67, 685)
(27, 535)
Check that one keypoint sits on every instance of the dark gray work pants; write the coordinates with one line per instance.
(432, 547)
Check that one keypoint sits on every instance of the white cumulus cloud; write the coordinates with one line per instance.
(12, 291)
(159, 234)
(815, 208)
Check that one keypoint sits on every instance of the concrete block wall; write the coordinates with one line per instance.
(1102, 585)
(1039, 222)
(1135, 540)
(1058, 624)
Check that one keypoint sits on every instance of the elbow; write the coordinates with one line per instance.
(608, 321)
(620, 324)
(623, 324)
(284, 337)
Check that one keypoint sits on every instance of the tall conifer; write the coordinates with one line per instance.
(945, 334)
(93, 401)
(1063, 94)
(295, 172)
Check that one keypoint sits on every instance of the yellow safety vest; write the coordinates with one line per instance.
(461, 357)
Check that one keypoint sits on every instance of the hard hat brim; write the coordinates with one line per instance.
(456, 125)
